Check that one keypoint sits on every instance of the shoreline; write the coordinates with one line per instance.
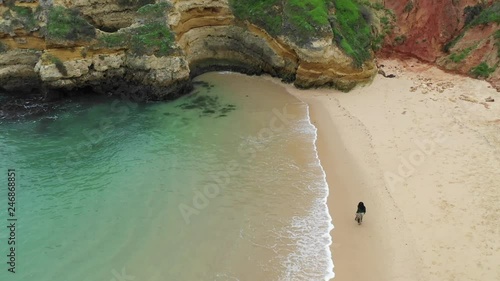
(421, 151)
(331, 273)
(341, 202)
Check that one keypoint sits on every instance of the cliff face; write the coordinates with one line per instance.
(461, 36)
(152, 50)
(66, 52)
(212, 38)
(106, 15)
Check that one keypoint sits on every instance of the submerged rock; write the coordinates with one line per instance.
(14, 108)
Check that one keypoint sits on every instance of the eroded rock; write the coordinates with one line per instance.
(205, 36)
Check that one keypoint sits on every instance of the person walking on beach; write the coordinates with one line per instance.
(360, 212)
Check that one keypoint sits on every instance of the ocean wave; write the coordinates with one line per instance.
(312, 259)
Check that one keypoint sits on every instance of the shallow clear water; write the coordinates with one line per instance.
(223, 184)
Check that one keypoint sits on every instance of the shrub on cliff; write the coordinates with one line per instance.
(488, 15)
(114, 40)
(68, 24)
(154, 36)
(306, 19)
(497, 43)
(352, 31)
(154, 11)
(497, 34)
(458, 57)
(18, 17)
(26, 16)
(400, 39)
(482, 70)
(473, 18)
(409, 6)
(471, 12)
(300, 20)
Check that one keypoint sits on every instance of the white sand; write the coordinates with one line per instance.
(423, 152)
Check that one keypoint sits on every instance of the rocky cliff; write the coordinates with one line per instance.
(68, 53)
(461, 36)
(151, 49)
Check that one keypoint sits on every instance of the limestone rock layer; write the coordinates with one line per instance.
(153, 48)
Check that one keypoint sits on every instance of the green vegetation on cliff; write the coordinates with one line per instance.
(482, 70)
(114, 40)
(476, 15)
(26, 15)
(154, 10)
(409, 6)
(264, 13)
(471, 12)
(307, 16)
(488, 15)
(19, 17)
(304, 21)
(352, 31)
(386, 18)
(400, 39)
(152, 37)
(497, 34)
(22, 11)
(3, 48)
(68, 24)
(447, 47)
(497, 43)
(300, 20)
(458, 57)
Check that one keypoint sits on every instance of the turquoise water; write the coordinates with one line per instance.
(223, 184)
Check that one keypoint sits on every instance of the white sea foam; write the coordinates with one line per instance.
(312, 259)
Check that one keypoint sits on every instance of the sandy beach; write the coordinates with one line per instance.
(422, 150)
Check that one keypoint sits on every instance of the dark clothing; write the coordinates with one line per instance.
(361, 209)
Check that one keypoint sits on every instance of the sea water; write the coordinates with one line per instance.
(222, 184)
